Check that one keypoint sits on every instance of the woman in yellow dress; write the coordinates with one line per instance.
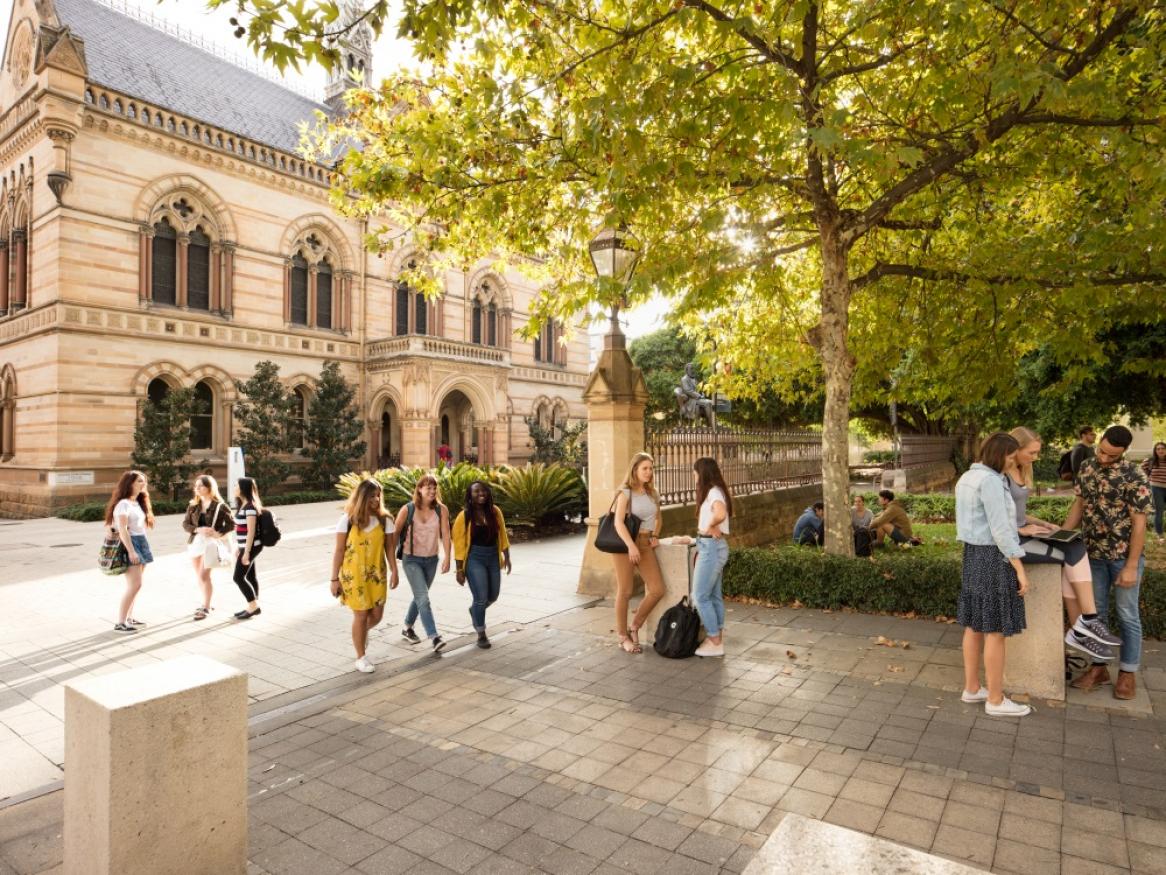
(360, 563)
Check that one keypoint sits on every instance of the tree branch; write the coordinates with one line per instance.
(1126, 121)
(772, 52)
(880, 61)
(914, 271)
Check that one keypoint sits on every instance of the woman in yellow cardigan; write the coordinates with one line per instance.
(481, 550)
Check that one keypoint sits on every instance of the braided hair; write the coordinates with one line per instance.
(488, 508)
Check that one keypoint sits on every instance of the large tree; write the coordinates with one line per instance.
(333, 429)
(882, 144)
(162, 438)
(264, 428)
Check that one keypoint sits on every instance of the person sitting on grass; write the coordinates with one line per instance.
(861, 519)
(892, 522)
(808, 530)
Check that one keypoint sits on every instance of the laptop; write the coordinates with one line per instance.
(1061, 536)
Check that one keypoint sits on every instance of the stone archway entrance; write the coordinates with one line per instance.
(455, 426)
(386, 443)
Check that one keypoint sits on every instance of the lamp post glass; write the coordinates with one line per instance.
(614, 253)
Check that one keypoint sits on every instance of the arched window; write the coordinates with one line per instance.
(202, 422)
(324, 295)
(7, 413)
(299, 290)
(198, 270)
(157, 391)
(546, 346)
(476, 323)
(299, 417)
(163, 286)
(421, 314)
(492, 325)
(402, 305)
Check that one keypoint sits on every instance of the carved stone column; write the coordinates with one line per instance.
(227, 279)
(374, 443)
(19, 298)
(216, 268)
(313, 272)
(3, 277)
(59, 177)
(183, 244)
(287, 268)
(145, 262)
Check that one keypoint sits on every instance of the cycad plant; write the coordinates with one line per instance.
(533, 492)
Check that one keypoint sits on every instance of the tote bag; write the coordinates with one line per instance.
(113, 558)
(607, 539)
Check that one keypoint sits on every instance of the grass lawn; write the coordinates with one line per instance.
(938, 540)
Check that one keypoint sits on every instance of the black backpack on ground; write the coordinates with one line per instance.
(266, 529)
(863, 543)
(678, 631)
(1065, 467)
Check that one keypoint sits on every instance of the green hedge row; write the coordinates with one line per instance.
(898, 582)
(94, 511)
(940, 508)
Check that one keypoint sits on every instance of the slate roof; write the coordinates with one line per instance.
(131, 57)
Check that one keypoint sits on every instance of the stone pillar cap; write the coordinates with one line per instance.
(124, 689)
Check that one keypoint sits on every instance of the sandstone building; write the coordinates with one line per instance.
(158, 229)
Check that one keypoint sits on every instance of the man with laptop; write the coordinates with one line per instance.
(1111, 505)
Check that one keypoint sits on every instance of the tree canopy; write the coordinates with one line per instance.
(898, 188)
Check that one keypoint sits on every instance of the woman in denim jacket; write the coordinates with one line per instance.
(991, 605)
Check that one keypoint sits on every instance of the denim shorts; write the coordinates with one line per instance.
(142, 548)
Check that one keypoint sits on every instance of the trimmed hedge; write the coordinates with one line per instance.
(93, 511)
(940, 507)
(899, 582)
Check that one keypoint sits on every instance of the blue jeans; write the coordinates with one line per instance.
(420, 571)
(1159, 495)
(711, 556)
(1105, 574)
(484, 577)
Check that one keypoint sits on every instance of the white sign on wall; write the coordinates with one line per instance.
(70, 478)
(235, 469)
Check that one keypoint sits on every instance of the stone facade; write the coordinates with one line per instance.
(142, 248)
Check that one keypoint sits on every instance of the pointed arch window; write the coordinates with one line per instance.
(299, 417)
(299, 290)
(492, 325)
(198, 270)
(202, 421)
(164, 261)
(402, 307)
(157, 391)
(476, 323)
(324, 295)
(420, 314)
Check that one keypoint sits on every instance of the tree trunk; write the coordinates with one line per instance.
(838, 365)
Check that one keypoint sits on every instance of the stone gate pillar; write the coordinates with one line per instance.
(616, 396)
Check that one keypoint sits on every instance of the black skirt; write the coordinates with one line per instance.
(989, 597)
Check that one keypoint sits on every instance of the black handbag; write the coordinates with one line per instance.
(607, 539)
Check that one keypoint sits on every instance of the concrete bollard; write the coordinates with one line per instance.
(1034, 661)
(156, 771)
(676, 569)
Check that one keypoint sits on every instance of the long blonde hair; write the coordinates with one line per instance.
(211, 484)
(357, 507)
(633, 485)
(1025, 436)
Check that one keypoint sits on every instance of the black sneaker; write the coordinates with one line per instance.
(483, 641)
(123, 627)
(409, 635)
(1100, 652)
(438, 644)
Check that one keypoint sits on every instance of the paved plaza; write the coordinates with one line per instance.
(557, 752)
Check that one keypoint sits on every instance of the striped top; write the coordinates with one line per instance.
(241, 515)
(1156, 474)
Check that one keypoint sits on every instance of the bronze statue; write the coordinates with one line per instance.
(692, 403)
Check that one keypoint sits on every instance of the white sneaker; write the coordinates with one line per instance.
(365, 665)
(980, 695)
(1006, 708)
(707, 648)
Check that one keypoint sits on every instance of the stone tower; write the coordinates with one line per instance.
(355, 57)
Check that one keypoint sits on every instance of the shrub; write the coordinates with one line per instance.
(533, 493)
(878, 457)
(940, 508)
(899, 582)
(399, 483)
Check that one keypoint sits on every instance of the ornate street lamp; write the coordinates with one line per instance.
(614, 255)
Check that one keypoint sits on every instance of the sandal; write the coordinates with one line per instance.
(634, 634)
(202, 613)
(628, 645)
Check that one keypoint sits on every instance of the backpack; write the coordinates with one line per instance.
(266, 529)
(863, 543)
(1065, 467)
(409, 528)
(678, 631)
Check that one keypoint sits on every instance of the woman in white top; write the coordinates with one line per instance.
(130, 514)
(638, 497)
(361, 561)
(716, 506)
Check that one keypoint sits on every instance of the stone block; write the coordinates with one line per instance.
(156, 771)
(1035, 660)
(811, 847)
(676, 569)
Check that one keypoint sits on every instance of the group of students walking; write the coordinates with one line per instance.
(369, 542)
(638, 497)
(1112, 499)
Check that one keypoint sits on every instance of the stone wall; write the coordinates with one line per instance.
(939, 477)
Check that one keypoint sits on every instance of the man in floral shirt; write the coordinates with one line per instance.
(1113, 499)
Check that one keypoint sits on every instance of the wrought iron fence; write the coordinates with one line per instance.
(923, 449)
(752, 460)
